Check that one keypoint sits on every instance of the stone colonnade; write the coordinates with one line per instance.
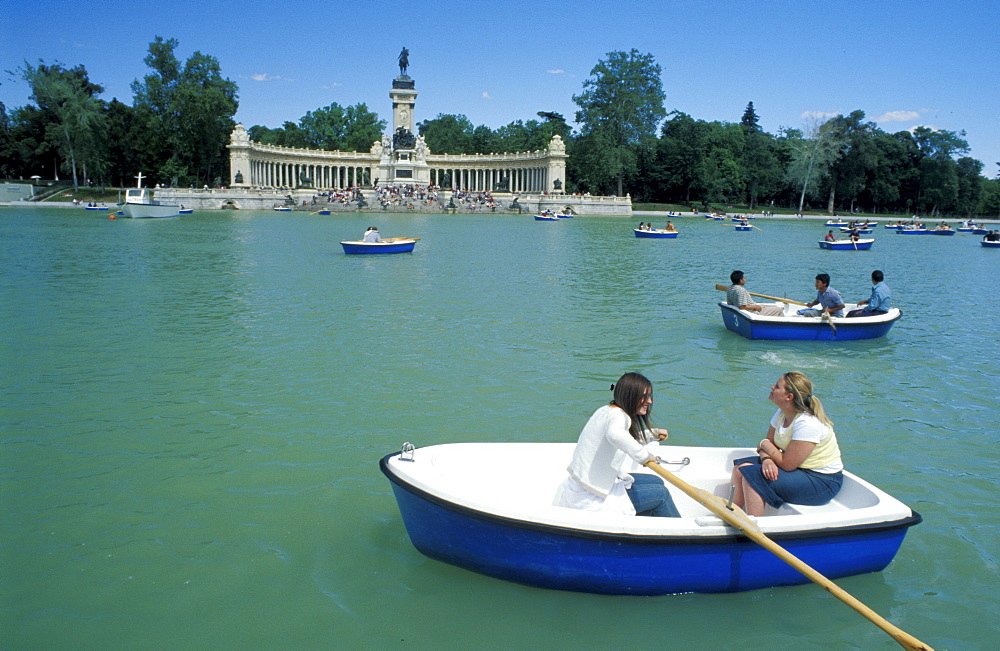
(268, 166)
(476, 178)
(284, 174)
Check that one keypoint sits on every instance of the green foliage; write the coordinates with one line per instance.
(336, 128)
(448, 134)
(186, 114)
(73, 117)
(620, 108)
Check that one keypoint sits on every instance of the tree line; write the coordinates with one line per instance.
(175, 131)
(178, 125)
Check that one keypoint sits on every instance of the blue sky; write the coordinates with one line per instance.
(903, 63)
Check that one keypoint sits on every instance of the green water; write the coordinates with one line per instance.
(193, 411)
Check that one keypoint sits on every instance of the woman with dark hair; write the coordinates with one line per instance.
(799, 461)
(616, 434)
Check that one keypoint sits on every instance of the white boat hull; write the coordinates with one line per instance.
(147, 210)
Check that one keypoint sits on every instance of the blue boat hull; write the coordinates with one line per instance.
(990, 245)
(655, 234)
(566, 559)
(358, 248)
(860, 245)
(811, 329)
(744, 228)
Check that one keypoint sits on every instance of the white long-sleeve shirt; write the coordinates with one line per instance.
(602, 448)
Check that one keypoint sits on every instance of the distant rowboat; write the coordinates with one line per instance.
(655, 233)
(847, 245)
(392, 245)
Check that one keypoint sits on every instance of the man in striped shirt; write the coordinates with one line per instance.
(738, 295)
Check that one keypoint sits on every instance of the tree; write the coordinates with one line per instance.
(123, 157)
(555, 124)
(337, 128)
(721, 174)
(680, 151)
(750, 121)
(938, 171)
(186, 114)
(853, 157)
(207, 104)
(620, 107)
(890, 175)
(7, 148)
(811, 156)
(74, 115)
(448, 134)
(758, 162)
(970, 185)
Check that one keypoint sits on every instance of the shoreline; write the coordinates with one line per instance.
(334, 209)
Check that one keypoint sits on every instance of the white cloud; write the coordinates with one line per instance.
(898, 116)
(333, 85)
(486, 95)
(263, 76)
(556, 71)
(817, 115)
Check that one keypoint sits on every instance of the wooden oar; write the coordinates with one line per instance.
(826, 316)
(736, 518)
(723, 288)
(397, 239)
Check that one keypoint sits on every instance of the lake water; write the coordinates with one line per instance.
(194, 408)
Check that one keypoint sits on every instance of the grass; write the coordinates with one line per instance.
(85, 195)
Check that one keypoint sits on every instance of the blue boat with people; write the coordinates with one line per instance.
(391, 245)
(488, 508)
(847, 245)
(791, 326)
(657, 233)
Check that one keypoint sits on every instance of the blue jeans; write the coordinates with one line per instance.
(650, 497)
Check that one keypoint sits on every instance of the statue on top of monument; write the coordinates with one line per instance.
(404, 61)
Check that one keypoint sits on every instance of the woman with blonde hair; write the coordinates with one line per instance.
(799, 461)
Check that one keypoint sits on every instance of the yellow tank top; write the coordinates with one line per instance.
(826, 453)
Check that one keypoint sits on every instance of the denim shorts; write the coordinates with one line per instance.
(799, 486)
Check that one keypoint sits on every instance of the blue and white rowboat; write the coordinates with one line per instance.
(990, 245)
(847, 245)
(487, 507)
(546, 218)
(790, 326)
(655, 233)
(744, 227)
(396, 245)
(862, 230)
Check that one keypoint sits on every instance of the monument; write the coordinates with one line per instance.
(403, 157)
(263, 175)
